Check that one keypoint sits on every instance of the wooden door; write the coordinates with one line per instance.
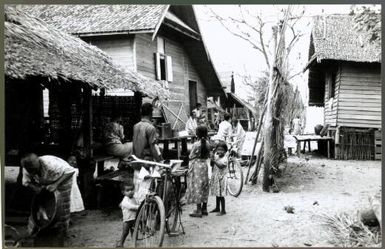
(193, 94)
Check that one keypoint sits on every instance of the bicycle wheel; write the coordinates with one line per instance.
(172, 210)
(234, 178)
(150, 223)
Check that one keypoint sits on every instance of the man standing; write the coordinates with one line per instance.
(239, 135)
(297, 125)
(145, 136)
(144, 147)
(191, 124)
(199, 114)
(225, 129)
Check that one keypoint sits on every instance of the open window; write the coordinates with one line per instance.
(163, 62)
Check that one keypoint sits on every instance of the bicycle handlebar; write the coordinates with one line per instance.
(137, 160)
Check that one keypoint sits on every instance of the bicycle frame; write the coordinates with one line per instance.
(167, 179)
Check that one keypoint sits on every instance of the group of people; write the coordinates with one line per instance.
(214, 151)
(57, 175)
(198, 184)
(54, 173)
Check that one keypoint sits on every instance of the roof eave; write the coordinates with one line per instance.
(311, 62)
(183, 30)
(108, 33)
(157, 27)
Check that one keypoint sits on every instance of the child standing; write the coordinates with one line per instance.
(129, 207)
(198, 179)
(218, 178)
(77, 204)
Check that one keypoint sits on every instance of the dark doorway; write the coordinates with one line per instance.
(193, 94)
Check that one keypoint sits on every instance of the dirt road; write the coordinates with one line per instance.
(256, 218)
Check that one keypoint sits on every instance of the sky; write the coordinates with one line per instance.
(230, 53)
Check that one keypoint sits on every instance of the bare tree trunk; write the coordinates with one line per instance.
(273, 123)
(269, 137)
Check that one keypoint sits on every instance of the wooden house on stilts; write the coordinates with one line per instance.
(345, 78)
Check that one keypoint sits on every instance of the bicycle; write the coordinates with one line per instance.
(235, 175)
(161, 209)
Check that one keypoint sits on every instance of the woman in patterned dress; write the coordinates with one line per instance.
(198, 180)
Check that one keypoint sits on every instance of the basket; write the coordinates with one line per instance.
(11, 236)
(47, 201)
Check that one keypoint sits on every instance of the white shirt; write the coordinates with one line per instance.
(239, 132)
(191, 126)
(224, 131)
(129, 208)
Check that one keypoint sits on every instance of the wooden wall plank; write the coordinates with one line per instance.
(120, 48)
(183, 69)
(360, 96)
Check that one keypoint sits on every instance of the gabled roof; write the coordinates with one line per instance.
(335, 37)
(94, 19)
(33, 48)
(173, 18)
(242, 102)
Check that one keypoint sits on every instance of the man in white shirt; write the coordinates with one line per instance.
(225, 129)
(239, 135)
(191, 124)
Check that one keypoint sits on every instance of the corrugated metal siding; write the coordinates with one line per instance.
(360, 96)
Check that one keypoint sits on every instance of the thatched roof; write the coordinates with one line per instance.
(93, 19)
(33, 48)
(335, 37)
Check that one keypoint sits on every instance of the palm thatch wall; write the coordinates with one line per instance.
(33, 48)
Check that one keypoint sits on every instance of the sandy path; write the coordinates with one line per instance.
(256, 218)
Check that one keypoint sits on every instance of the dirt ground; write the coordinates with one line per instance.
(256, 218)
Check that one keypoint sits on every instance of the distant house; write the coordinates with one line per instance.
(345, 78)
(238, 106)
(162, 42)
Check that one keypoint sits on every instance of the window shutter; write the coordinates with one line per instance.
(169, 69)
(157, 66)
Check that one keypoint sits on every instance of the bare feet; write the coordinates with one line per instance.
(221, 213)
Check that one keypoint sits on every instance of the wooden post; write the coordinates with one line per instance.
(254, 177)
(298, 148)
(88, 167)
(255, 143)
(138, 102)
